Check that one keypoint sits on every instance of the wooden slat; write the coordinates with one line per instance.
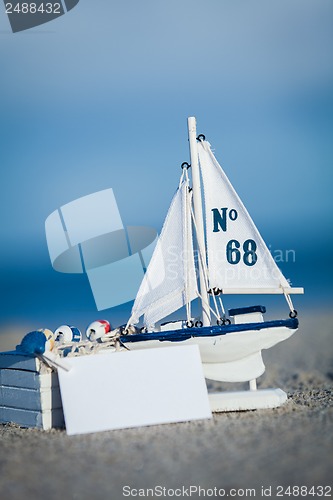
(28, 380)
(30, 418)
(29, 399)
(17, 361)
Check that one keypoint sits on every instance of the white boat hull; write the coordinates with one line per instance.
(234, 357)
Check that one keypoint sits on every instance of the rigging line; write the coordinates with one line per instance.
(221, 305)
(188, 200)
(215, 303)
(186, 237)
(204, 266)
(289, 301)
(205, 269)
(211, 309)
(184, 175)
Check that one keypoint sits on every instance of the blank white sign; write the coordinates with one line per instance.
(116, 390)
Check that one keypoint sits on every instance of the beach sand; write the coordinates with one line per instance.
(287, 446)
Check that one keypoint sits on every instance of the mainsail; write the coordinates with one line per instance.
(238, 258)
(170, 280)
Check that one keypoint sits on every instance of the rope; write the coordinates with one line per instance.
(215, 303)
(222, 306)
(223, 315)
(205, 270)
(289, 302)
(211, 309)
(184, 175)
(188, 200)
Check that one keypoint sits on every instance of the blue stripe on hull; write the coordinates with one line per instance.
(208, 331)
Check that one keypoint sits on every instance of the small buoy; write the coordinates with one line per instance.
(37, 342)
(49, 338)
(65, 334)
(98, 329)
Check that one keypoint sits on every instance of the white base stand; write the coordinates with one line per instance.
(246, 400)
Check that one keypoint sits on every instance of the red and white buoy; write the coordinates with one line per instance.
(98, 329)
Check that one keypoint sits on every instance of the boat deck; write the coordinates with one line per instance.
(208, 331)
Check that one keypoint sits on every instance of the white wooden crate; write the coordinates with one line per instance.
(29, 392)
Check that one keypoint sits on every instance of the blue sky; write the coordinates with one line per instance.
(99, 98)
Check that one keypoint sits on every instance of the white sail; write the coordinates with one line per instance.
(238, 257)
(170, 280)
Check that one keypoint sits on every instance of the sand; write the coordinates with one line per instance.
(236, 453)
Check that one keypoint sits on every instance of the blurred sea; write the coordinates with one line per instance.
(35, 296)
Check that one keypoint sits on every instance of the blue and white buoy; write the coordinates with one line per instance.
(66, 334)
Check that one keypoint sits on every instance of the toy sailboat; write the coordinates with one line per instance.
(205, 251)
(218, 241)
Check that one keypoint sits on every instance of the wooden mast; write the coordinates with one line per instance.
(197, 203)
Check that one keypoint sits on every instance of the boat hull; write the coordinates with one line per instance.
(230, 353)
